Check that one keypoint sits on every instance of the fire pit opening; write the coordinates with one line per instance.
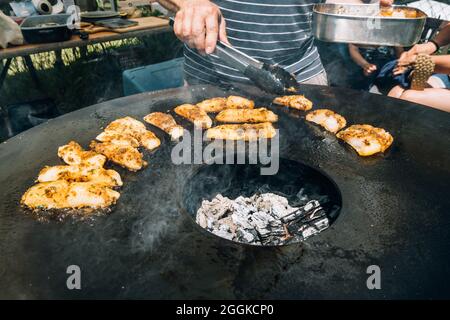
(237, 203)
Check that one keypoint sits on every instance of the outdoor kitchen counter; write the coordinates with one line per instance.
(395, 213)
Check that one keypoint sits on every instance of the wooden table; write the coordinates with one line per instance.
(146, 26)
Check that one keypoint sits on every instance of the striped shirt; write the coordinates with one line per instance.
(272, 31)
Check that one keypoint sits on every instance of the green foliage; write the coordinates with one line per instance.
(76, 78)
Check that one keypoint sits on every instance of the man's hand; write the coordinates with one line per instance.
(369, 68)
(408, 58)
(386, 3)
(199, 23)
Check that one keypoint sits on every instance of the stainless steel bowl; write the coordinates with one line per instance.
(362, 24)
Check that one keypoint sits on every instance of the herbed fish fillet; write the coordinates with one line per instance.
(65, 195)
(73, 154)
(213, 105)
(165, 122)
(247, 132)
(237, 102)
(247, 115)
(328, 119)
(90, 195)
(125, 156)
(128, 126)
(46, 195)
(366, 139)
(118, 138)
(298, 102)
(194, 114)
(81, 173)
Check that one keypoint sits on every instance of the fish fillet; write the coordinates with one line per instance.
(213, 104)
(125, 156)
(128, 126)
(298, 102)
(46, 195)
(63, 195)
(236, 102)
(80, 173)
(247, 115)
(194, 114)
(90, 195)
(118, 138)
(73, 154)
(328, 119)
(165, 122)
(366, 139)
(244, 131)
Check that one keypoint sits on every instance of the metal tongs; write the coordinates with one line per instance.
(268, 77)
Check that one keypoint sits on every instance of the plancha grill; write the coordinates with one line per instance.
(394, 211)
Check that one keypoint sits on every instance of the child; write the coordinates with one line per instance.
(371, 59)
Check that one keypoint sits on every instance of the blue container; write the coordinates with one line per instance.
(164, 75)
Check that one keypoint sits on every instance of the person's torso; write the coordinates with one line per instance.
(272, 31)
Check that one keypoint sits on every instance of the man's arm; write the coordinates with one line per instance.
(442, 63)
(198, 23)
(382, 2)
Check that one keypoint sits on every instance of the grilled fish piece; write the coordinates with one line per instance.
(90, 195)
(194, 114)
(118, 138)
(328, 119)
(63, 195)
(126, 125)
(236, 102)
(81, 173)
(46, 195)
(165, 122)
(73, 154)
(298, 102)
(125, 156)
(213, 104)
(247, 115)
(132, 128)
(149, 140)
(366, 139)
(247, 132)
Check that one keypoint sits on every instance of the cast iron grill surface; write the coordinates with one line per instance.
(395, 212)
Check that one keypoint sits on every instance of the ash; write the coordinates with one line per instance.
(262, 219)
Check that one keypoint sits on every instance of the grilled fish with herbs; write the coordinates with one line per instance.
(194, 114)
(62, 194)
(73, 154)
(128, 126)
(328, 119)
(213, 105)
(247, 115)
(165, 122)
(246, 132)
(298, 102)
(237, 102)
(366, 139)
(125, 156)
(80, 173)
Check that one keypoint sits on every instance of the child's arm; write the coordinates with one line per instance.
(399, 51)
(356, 56)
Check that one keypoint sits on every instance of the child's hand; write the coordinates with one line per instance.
(369, 68)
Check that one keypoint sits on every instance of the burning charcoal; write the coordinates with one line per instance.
(201, 219)
(247, 236)
(223, 234)
(310, 230)
(265, 219)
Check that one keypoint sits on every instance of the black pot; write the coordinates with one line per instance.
(46, 28)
